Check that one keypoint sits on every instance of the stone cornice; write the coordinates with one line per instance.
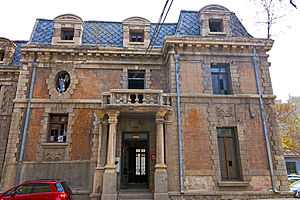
(217, 42)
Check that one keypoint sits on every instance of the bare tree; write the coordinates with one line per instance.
(273, 10)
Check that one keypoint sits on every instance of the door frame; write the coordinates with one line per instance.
(123, 184)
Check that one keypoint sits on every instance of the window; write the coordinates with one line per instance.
(136, 35)
(136, 79)
(41, 188)
(24, 189)
(67, 34)
(228, 154)
(291, 167)
(1, 55)
(220, 79)
(58, 124)
(216, 25)
(63, 81)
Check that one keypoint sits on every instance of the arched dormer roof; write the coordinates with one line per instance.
(68, 17)
(7, 42)
(136, 20)
(214, 8)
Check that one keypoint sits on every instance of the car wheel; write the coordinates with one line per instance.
(297, 194)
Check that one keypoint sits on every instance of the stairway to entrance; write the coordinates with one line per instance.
(135, 194)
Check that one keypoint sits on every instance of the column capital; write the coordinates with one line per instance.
(160, 115)
(100, 114)
(113, 116)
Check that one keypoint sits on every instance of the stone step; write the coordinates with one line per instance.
(135, 195)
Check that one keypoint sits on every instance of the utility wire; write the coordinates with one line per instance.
(159, 25)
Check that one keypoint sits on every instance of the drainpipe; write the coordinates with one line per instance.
(26, 122)
(179, 125)
(263, 114)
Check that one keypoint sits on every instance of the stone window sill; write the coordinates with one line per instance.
(66, 41)
(54, 144)
(233, 183)
(217, 33)
(136, 43)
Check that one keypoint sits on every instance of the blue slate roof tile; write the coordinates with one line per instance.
(188, 23)
(103, 33)
(165, 30)
(43, 31)
(98, 33)
(17, 54)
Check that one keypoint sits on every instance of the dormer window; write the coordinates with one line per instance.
(216, 25)
(67, 33)
(2, 55)
(136, 35)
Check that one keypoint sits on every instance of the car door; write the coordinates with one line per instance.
(42, 191)
(23, 192)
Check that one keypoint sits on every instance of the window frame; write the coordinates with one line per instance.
(223, 71)
(60, 126)
(2, 55)
(138, 79)
(227, 133)
(137, 33)
(216, 23)
(67, 31)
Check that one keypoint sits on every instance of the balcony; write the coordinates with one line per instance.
(136, 97)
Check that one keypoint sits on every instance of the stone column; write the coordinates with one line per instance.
(160, 175)
(98, 175)
(109, 191)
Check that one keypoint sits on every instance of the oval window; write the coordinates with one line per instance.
(63, 81)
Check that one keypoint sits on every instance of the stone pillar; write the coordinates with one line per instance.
(98, 175)
(109, 191)
(160, 175)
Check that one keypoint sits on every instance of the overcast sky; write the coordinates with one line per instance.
(17, 19)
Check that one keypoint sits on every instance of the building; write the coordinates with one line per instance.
(97, 109)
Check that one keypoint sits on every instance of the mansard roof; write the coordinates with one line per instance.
(110, 34)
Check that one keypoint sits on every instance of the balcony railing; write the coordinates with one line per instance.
(136, 97)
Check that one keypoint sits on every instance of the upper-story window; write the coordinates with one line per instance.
(58, 124)
(67, 33)
(67, 30)
(2, 52)
(136, 79)
(216, 25)
(221, 81)
(136, 35)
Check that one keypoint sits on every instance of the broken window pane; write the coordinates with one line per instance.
(136, 79)
(58, 124)
(136, 35)
(67, 34)
(215, 25)
(221, 83)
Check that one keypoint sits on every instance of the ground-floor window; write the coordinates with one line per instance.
(291, 167)
(229, 153)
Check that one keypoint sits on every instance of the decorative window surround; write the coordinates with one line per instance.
(67, 22)
(215, 12)
(55, 151)
(124, 79)
(136, 24)
(7, 48)
(51, 82)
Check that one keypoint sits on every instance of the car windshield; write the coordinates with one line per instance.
(9, 192)
(296, 184)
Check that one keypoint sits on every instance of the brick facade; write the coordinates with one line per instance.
(101, 110)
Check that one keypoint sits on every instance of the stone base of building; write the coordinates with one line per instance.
(230, 195)
(109, 185)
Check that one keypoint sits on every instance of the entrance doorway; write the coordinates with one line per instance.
(135, 163)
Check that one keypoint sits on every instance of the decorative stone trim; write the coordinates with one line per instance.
(9, 49)
(136, 24)
(61, 151)
(51, 83)
(67, 21)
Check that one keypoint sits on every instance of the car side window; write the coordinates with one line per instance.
(41, 188)
(24, 189)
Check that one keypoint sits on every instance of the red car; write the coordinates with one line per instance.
(39, 190)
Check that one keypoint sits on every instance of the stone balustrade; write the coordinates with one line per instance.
(136, 97)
